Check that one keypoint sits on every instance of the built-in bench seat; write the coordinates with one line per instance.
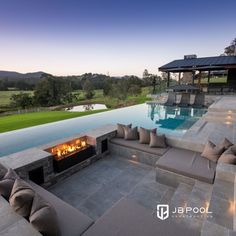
(127, 217)
(70, 220)
(13, 224)
(184, 164)
(135, 150)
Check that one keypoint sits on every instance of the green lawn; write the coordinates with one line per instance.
(222, 79)
(6, 95)
(19, 121)
(13, 122)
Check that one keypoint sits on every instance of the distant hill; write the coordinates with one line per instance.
(17, 75)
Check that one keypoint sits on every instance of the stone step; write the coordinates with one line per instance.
(200, 197)
(181, 196)
(216, 119)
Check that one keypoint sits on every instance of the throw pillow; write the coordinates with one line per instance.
(225, 144)
(3, 171)
(43, 217)
(131, 133)
(212, 152)
(144, 135)
(233, 149)
(120, 130)
(6, 183)
(228, 157)
(21, 198)
(158, 141)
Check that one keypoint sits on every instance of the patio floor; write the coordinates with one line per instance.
(98, 187)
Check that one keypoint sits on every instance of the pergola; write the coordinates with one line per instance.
(208, 64)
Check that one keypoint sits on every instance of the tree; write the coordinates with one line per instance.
(107, 88)
(135, 89)
(52, 91)
(88, 89)
(22, 100)
(231, 49)
(120, 89)
(145, 74)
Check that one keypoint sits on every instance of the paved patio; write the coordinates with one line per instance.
(98, 187)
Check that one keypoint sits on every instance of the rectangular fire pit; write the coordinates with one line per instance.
(67, 154)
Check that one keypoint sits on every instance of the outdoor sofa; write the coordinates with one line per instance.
(173, 164)
(70, 220)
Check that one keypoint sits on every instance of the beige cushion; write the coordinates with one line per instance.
(131, 133)
(144, 135)
(43, 217)
(6, 183)
(233, 149)
(228, 157)
(3, 171)
(71, 221)
(120, 130)
(157, 140)
(21, 198)
(212, 152)
(188, 163)
(225, 144)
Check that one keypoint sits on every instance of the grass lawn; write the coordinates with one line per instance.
(19, 121)
(13, 122)
(6, 95)
(222, 79)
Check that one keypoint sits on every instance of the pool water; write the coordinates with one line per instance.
(168, 120)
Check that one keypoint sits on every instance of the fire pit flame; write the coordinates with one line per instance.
(63, 150)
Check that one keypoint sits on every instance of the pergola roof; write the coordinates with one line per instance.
(203, 63)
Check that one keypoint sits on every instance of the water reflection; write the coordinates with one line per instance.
(87, 107)
(173, 117)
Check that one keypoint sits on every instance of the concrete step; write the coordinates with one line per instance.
(200, 197)
(181, 196)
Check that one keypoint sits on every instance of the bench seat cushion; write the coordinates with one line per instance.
(127, 218)
(70, 220)
(188, 163)
(135, 144)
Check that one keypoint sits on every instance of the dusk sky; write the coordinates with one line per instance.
(66, 37)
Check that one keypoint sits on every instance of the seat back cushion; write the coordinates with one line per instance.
(43, 217)
(212, 152)
(7, 182)
(228, 157)
(225, 143)
(157, 141)
(21, 198)
(131, 133)
(144, 135)
(120, 133)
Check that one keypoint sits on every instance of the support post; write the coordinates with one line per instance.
(208, 77)
(168, 79)
(179, 77)
(199, 79)
(193, 73)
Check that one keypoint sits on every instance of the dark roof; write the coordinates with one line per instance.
(195, 63)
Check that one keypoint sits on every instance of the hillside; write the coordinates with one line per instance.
(17, 75)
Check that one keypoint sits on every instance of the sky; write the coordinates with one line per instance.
(123, 37)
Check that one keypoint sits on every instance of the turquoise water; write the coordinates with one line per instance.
(168, 120)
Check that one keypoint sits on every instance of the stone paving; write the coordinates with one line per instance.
(98, 187)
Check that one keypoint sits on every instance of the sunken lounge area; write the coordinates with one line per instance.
(109, 181)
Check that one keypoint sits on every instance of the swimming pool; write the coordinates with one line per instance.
(168, 120)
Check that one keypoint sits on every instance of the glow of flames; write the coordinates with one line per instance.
(68, 148)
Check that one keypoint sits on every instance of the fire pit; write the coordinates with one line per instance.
(70, 153)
